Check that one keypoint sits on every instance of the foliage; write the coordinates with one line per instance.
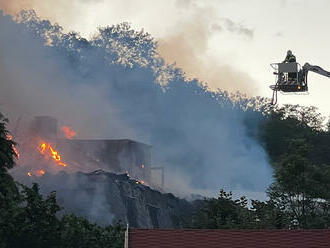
(269, 215)
(284, 124)
(33, 222)
(298, 144)
(224, 213)
(301, 187)
(7, 153)
(78, 232)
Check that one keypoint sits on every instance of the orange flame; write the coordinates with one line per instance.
(36, 173)
(16, 151)
(68, 132)
(43, 148)
(51, 152)
(10, 137)
(55, 154)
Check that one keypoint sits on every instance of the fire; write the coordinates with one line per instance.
(55, 154)
(36, 173)
(47, 150)
(16, 151)
(68, 132)
(10, 137)
(42, 148)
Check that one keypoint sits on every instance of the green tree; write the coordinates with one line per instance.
(34, 223)
(9, 194)
(224, 213)
(269, 215)
(298, 188)
(7, 153)
(77, 232)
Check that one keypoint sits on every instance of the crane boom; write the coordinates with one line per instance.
(317, 69)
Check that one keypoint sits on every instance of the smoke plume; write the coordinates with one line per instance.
(107, 87)
(186, 41)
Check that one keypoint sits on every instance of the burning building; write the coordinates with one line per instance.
(118, 156)
(113, 155)
(103, 180)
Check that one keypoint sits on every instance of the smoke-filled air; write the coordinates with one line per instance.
(116, 85)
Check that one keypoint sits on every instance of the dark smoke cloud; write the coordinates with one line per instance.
(196, 134)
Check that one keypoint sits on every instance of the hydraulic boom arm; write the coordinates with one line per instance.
(314, 68)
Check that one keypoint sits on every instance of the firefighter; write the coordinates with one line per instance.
(292, 76)
(289, 57)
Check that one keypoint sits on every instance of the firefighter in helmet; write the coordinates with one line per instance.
(289, 57)
(292, 76)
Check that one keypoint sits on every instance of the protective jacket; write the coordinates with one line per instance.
(290, 58)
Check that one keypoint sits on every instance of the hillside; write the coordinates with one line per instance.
(106, 198)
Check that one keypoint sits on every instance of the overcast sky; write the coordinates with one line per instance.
(233, 40)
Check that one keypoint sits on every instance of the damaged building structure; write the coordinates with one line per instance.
(113, 155)
(104, 180)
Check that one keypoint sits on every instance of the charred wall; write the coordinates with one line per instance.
(107, 198)
(114, 155)
(118, 156)
(44, 126)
